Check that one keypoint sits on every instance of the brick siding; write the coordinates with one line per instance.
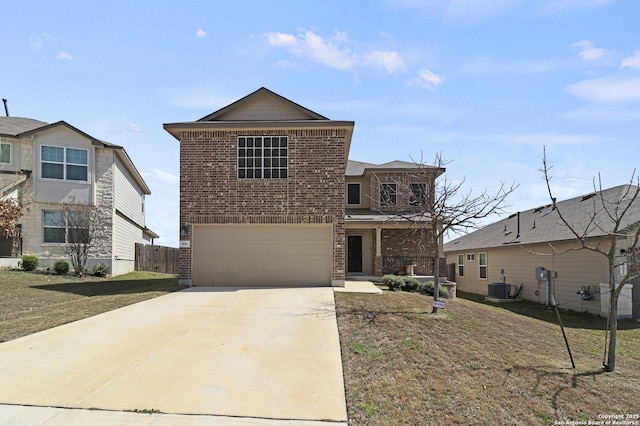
(313, 192)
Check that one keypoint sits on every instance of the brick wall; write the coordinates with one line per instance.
(313, 192)
(413, 244)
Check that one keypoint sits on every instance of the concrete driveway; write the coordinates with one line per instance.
(246, 356)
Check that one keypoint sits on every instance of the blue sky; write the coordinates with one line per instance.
(487, 83)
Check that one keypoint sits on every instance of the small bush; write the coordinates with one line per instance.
(393, 282)
(410, 284)
(100, 270)
(427, 288)
(443, 291)
(29, 262)
(61, 267)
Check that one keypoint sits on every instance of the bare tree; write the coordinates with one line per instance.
(448, 209)
(11, 210)
(606, 226)
(79, 224)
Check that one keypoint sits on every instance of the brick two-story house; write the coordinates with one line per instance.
(50, 164)
(263, 187)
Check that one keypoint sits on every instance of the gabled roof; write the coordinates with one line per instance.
(259, 95)
(13, 126)
(543, 225)
(359, 168)
(26, 127)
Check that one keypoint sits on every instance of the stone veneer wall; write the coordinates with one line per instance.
(32, 229)
(313, 192)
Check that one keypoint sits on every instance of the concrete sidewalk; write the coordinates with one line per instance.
(245, 356)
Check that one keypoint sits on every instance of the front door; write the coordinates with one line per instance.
(354, 253)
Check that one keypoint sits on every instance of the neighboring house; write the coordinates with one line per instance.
(263, 194)
(51, 164)
(512, 249)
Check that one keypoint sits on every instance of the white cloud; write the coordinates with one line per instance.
(427, 79)
(160, 176)
(39, 41)
(607, 90)
(65, 56)
(588, 52)
(632, 61)
(278, 39)
(201, 33)
(334, 52)
(391, 61)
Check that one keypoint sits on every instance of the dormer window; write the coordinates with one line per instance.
(64, 163)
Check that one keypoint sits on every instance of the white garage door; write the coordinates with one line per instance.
(262, 255)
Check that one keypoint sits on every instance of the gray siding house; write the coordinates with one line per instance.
(50, 164)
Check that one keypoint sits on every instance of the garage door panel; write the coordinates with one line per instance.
(255, 255)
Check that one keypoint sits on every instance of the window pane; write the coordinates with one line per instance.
(283, 142)
(283, 162)
(283, 173)
(78, 235)
(353, 193)
(258, 173)
(52, 171)
(241, 174)
(54, 235)
(242, 153)
(5, 153)
(76, 156)
(267, 173)
(250, 173)
(267, 162)
(483, 272)
(52, 219)
(52, 153)
(250, 142)
(275, 173)
(483, 259)
(267, 142)
(77, 173)
(241, 162)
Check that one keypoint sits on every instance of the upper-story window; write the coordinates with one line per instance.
(263, 157)
(64, 163)
(388, 194)
(5, 153)
(418, 195)
(353, 193)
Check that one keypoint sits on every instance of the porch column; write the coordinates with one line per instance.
(377, 261)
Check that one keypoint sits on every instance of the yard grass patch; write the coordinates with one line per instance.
(477, 363)
(31, 302)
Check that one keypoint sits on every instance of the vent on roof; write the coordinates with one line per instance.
(539, 209)
(513, 215)
(586, 197)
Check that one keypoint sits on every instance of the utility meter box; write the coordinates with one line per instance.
(542, 274)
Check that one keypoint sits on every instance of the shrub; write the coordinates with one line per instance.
(393, 282)
(29, 262)
(61, 267)
(100, 270)
(426, 288)
(443, 291)
(410, 284)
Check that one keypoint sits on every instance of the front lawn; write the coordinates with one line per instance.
(474, 363)
(31, 302)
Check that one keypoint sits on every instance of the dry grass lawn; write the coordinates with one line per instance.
(31, 302)
(474, 363)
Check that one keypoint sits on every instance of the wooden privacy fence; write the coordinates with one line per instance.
(156, 258)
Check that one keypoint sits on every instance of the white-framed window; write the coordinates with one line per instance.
(461, 265)
(471, 257)
(353, 193)
(418, 195)
(64, 163)
(263, 157)
(388, 194)
(5, 153)
(56, 228)
(482, 264)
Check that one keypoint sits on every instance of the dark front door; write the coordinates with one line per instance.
(354, 253)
